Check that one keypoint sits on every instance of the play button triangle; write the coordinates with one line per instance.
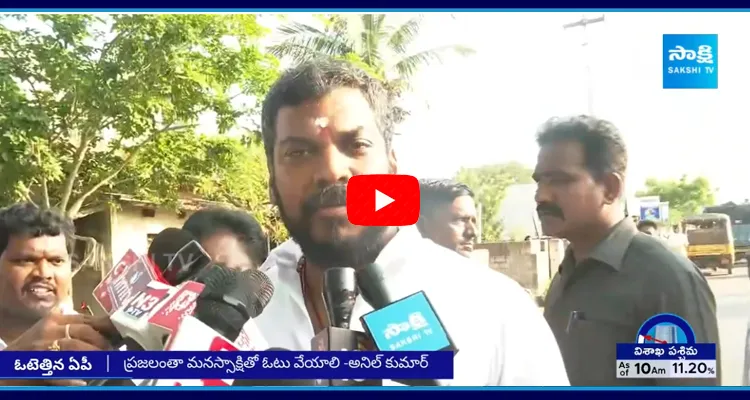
(381, 200)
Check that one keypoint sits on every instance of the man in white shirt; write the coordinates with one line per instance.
(35, 282)
(322, 123)
(448, 215)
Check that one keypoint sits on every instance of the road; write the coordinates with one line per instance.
(732, 294)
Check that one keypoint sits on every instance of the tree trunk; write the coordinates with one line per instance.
(70, 180)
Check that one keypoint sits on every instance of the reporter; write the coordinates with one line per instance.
(35, 280)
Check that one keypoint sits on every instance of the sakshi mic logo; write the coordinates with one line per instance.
(412, 327)
(690, 61)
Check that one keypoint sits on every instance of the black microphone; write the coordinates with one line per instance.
(339, 295)
(231, 298)
(401, 324)
(178, 255)
(275, 382)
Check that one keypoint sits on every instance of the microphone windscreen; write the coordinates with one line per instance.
(253, 289)
(231, 297)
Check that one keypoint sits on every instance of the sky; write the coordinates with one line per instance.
(486, 108)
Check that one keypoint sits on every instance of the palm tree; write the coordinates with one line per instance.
(369, 41)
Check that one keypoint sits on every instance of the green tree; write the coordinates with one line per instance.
(370, 41)
(489, 183)
(83, 98)
(685, 197)
(218, 168)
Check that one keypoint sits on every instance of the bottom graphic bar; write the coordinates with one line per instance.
(666, 369)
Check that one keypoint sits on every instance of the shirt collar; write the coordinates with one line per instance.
(611, 250)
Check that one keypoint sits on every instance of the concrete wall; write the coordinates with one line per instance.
(531, 263)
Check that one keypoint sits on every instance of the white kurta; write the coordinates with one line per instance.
(501, 336)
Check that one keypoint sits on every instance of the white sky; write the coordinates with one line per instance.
(486, 108)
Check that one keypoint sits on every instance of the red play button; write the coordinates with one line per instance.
(382, 200)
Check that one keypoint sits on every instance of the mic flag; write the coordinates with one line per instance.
(408, 324)
(177, 255)
(105, 294)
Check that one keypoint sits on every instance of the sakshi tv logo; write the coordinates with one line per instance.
(690, 61)
(407, 325)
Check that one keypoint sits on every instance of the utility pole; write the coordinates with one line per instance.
(583, 23)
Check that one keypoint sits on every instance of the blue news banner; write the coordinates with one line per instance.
(647, 360)
(226, 365)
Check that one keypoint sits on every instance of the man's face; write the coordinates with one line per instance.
(35, 275)
(319, 146)
(453, 225)
(225, 248)
(568, 198)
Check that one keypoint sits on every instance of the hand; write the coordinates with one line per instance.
(62, 333)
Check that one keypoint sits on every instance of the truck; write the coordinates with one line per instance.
(739, 216)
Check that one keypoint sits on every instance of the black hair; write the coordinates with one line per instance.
(603, 146)
(647, 223)
(34, 221)
(436, 192)
(313, 80)
(206, 223)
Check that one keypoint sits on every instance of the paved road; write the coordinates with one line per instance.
(732, 294)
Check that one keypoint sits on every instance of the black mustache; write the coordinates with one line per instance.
(36, 280)
(549, 209)
(332, 196)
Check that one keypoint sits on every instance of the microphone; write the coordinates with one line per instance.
(231, 298)
(339, 295)
(140, 293)
(404, 324)
(275, 382)
(222, 318)
(129, 276)
(178, 255)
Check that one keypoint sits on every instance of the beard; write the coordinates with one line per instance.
(338, 250)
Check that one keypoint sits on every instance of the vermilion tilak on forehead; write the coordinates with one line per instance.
(322, 124)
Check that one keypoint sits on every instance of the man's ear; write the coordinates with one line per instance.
(614, 187)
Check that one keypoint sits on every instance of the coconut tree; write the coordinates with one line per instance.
(376, 43)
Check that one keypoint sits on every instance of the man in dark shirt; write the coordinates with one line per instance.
(612, 278)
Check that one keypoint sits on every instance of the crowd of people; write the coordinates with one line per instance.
(324, 122)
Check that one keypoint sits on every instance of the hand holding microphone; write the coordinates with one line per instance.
(57, 332)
